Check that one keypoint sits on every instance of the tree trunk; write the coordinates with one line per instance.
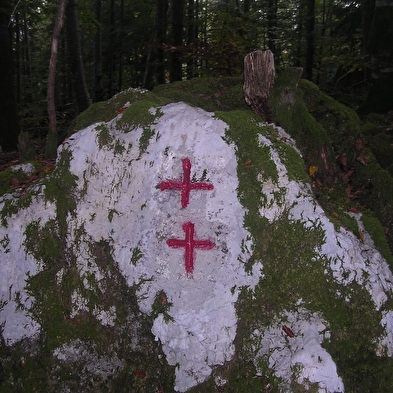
(162, 9)
(272, 26)
(380, 48)
(111, 49)
(120, 56)
(259, 75)
(75, 56)
(51, 141)
(98, 89)
(9, 122)
(176, 72)
(310, 24)
(191, 40)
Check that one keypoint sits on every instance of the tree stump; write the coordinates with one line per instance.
(259, 76)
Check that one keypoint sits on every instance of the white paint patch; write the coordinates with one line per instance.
(203, 321)
(16, 267)
(303, 351)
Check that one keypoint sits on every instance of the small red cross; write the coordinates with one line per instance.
(189, 243)
(185, 186)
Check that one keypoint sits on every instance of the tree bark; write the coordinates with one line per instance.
(176, 72)
(162, 9)
(259, 75)
(51, 141)
(272, 26)
(310, 49)
(9, 123)
(380, 48)
(75, 56)
(98, 89)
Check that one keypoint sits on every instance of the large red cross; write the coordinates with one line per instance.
(185, 186)
(189, 243)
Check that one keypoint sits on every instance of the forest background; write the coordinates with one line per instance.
(109, 45)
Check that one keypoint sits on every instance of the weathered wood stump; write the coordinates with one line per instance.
(259, 76)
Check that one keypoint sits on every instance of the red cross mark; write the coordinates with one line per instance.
(190, 244)
(185, 186)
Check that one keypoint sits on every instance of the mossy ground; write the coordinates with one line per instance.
(288, 251)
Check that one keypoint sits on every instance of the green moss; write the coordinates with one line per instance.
(107, 110)
(373, 226)
(136, 255)
(161, 306)
(341, 123)
(43, 242)
(293, 162)
(210, 94)
(369, 129)
(139, 114)
(12, 206)
(293, 269)
(290, 111)
(382, 148)
(144, 140)
(60, 188)
(104, 137)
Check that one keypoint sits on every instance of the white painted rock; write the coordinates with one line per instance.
(165, 199)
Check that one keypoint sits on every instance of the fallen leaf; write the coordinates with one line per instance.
(361, 236)
(364, 159)
(15, 182)
(139, 374)
(360, 145)
(288, 331)
(312, 170)
(353, 210)
(248, 162)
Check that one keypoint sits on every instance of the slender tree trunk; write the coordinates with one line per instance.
(111, 47)
(191, 39)
(27, 71)
(162, 10)
(98, 89)
(272, 27)
(380, 48)
(322, 36)
(247, 6)
(310, 49)
(299, 36)
(120, 58)
(9, 122)
(18, 57)
(51, 141)
(176, 72)
(75, 56)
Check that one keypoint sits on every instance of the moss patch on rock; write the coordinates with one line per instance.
(107, 110)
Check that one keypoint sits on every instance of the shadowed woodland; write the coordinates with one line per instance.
(107, 46)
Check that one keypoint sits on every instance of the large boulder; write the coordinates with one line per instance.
(175, 249)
